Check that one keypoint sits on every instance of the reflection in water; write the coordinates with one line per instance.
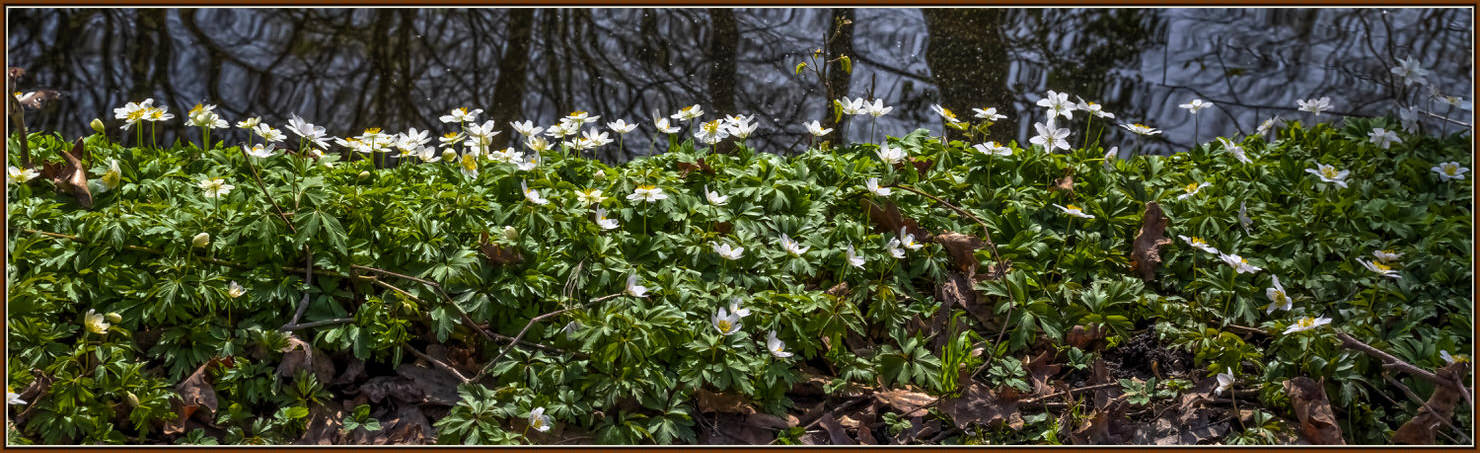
(350, 69)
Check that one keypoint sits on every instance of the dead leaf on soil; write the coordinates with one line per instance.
(298, 355)
(908, 403)
(981, 406)
(961, 248)
(70, 175)
(324, 423)
(439, 386)
(498, 254)
(1040, 371)
(1105, 425)
(699, 165)
(195, 395)
(403, 390)
(1317, 421)
(710, 402)
(1085, 337)
(888, 220)
(1146, 250)
(836, 435)
(1440, 407)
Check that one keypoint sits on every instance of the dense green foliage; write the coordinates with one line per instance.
(626, 368)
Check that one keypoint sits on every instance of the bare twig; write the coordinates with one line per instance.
(310, 325)
(1069, 392)
(1425, 404)
(307, 283)
(437, 363)
(1389, 361)
(525, 330)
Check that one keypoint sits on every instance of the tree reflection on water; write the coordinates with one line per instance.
(350, 69)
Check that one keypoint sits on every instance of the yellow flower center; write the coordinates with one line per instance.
(949, 113)
(646, 187)
(1381, 267)
(197, 109)
(1450, 169)
(450, 135)
(1192, 188)
(538, 423)
(1329, 172)
(1306, 322)
(373, 130)
(1072, 208)
(1197, 241)
(723, 325)
(462, 111)
(712, 126)
(468, 163)
(578, 113)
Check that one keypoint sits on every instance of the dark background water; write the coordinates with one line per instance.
(349, 69)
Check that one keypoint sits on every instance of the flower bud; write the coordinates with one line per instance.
(364, 174)
(113, 317)
(201, 240)
(511, 234)
(449, 156)
(133, 400)
(97, 125)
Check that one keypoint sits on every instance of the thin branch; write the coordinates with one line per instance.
(1389, 361)
(437, 363)
(310, 325)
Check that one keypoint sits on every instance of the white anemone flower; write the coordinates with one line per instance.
(533, 196)
(945, 113)
(992, 149)
(727, 251)
(468, 165)
(891, 154)
(13, 399)
(1075, 211)
(853, 107)
(1225, 380)
(1094, 109)
(268, 133)
(1387, 256)
(634, 289)
(711, 132)
(259, 151)
(1192, 189)
(793, 247)
(894, 248)
(1058, 105)
(853, 258)
(1380, 268)
(1195, 106)
(1140, 129)
(215, 187)
(1199, 243)
(725, 322)
(1234, 149)
(662, 124)
(989, 114)
(461, 115)
(603, 222)
(1050, 137)
(1449, 171)
(1383, 138)
(538, 420)
(647, 193)
(235, 290)
(1240, 264)
(815, 128)
(872, 184)
(715, 198)
(315, 135)
(526, 128)
(1329, 174)
(16, 175)
(1314, 106)
(1278, 300)
(589, 197)
(621, 126)
(776, 346)
(878, 109)
(908, 241)
(95, 322)
(1409, 70)
(1307, 323)
(688, 113)
(1268, 125)
(737, 309)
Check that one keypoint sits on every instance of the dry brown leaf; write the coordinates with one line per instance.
(195, 395)
(71, 175)
(323, 428)
(723, 403)
(1440, 407)
(836, 435)
(699, 165)
(409, 426)
(1105, 425)
(908, 403)
(399, 388)
(1146, 250)
(1040, 371)
(1085, 337)
(1065, 184)
(888, 220)
(733, 429)
(980, 406)
(498, 254)
(299, 355)
(957, 291)
(961, 248)
(1317, 421)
